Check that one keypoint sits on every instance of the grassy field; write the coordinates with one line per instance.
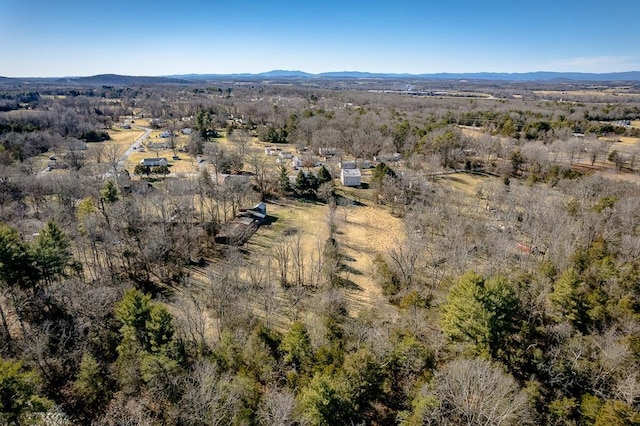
(365, 231)
(362, 231)
(465, 182)
(185, 164)
(123, 136)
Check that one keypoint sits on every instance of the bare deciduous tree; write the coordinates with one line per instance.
(474, 392)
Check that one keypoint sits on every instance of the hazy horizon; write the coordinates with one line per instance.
(76, 38)
(178, 76)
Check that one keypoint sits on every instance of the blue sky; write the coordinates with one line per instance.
(141, 37)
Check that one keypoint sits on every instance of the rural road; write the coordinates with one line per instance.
(135, 145)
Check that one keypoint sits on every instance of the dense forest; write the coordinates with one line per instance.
(509, 295)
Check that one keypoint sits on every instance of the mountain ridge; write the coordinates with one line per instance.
(526, 76)
(540, 76)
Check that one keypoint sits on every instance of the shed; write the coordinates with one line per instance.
(350, 177)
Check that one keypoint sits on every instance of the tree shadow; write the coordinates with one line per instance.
(347, 284)
(351, 270)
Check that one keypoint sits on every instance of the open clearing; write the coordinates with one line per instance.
(366, 230)
(362, 231)
(465, 182)
(124, 137)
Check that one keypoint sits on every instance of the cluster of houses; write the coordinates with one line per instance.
(350, 171)
(167, 134)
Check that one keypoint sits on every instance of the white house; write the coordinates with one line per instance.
(350, 177)
(296, 162)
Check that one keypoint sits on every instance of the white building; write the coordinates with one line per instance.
(350, 177)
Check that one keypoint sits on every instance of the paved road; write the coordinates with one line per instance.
(138, 142)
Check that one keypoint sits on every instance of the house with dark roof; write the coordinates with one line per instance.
(154, 162)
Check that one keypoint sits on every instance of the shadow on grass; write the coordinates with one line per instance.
(347, 284)
(270, 220)
(351, 270)
(341, 200)
(156, 290)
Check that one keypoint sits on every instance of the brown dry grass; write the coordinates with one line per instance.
(185, 165)
(465, 182)
(308, 219)
(363, 231)
(123, 136)
(626, 141)
(472, 131)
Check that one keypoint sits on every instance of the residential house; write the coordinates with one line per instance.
(348, 165)
(350, 177)
(154, 162)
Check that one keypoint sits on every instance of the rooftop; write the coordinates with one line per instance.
(351, 172)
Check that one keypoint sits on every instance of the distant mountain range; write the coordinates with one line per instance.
(125, 80)
(529, 76)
